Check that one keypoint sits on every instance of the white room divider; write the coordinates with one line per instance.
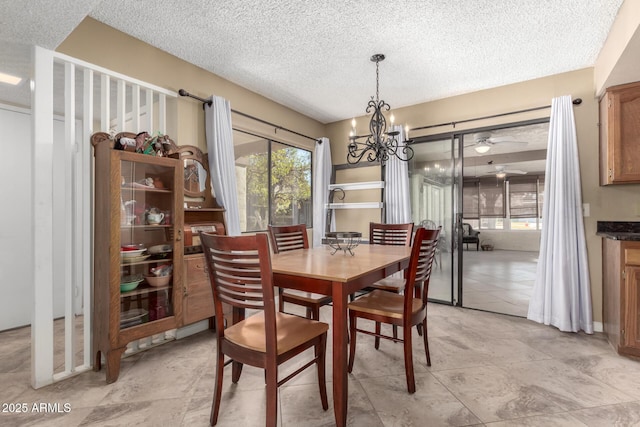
(61, 177)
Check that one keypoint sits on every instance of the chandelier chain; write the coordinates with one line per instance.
(377, 81)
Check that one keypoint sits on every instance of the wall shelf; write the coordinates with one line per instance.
(358, 205)
(357, 185)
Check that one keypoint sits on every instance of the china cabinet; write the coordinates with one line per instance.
(620, 135)
(138, 249)
(621, 294)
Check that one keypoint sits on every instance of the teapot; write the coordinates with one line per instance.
(154, 216)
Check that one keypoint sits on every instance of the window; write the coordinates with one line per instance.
(483, 197)
(484, 203)
(274, 184)
(524, 202)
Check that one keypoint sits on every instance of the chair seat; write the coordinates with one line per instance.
(304, 298)
(291, 332)
(390, 284)
(383, 303)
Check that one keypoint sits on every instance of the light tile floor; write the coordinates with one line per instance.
(499, 281)
(487, 369)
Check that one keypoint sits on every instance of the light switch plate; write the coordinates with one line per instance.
(586, 209)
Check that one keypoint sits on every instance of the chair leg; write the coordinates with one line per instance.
(280, 300)
(377, 345)
(426, 341)
(352, 341)
(236, 371)
(314, 313)
(272, 394)
(419, 327)
(217, 392)
(321, 351)
(408, 360)
(395, 332)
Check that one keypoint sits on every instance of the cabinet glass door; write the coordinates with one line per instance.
(147, 200)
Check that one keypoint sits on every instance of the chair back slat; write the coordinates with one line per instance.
(390, 234)
(288, 237)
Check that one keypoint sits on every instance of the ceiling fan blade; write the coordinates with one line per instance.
(505, 140)
(515, 171)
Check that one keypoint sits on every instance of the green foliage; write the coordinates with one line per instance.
(290, 179)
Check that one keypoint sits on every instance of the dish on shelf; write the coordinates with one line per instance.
(131, 253)
(129, 283)
(160, 249)
(157, 281)
(132, 317)
(130, 260)
(132, 247)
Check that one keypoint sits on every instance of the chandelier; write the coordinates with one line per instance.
(379, 145)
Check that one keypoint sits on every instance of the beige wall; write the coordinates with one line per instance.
(606, 203)
(102, 45)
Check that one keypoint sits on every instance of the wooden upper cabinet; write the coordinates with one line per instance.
(620, 135)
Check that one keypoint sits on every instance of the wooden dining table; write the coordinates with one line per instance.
(339, 275)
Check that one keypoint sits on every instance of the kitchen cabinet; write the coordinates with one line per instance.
(621, 294)
(138, 249)
(620, 135)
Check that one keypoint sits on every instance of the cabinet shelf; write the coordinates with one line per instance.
(143, 291)
(146, 189)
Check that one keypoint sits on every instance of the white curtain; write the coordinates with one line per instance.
(561, 294)
(222, 163)
(321, 181)
(396, 191)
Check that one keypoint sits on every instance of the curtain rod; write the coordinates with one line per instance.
(183, 92)
(576, 101)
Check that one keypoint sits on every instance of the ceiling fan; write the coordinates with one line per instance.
(502, 171)
(483, 141)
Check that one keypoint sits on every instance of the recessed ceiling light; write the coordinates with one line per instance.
(8, 78)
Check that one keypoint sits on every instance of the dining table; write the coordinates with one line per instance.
(339, 274)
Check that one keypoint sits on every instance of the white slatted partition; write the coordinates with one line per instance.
(63, 199)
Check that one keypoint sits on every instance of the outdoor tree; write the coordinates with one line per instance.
(290, 180)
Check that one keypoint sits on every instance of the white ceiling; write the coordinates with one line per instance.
(313, 56)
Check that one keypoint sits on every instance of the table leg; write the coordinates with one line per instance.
(340, 389)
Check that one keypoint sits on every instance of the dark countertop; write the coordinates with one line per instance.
(619, 230)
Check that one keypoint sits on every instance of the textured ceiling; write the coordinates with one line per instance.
(313, 56)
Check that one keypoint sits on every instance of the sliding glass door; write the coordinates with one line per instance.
(435, 175)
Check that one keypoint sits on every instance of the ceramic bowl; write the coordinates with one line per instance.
(157, 281)
(129, 283)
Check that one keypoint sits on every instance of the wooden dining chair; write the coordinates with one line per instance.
(390, 234)
(240, 273)
(289, 238)
(400, 310)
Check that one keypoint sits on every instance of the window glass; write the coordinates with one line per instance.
(290, 185)
(274, 183)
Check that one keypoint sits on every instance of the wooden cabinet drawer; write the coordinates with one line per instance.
(632, 256)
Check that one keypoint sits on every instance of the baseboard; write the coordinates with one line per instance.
(598, 327)
(192, 329)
